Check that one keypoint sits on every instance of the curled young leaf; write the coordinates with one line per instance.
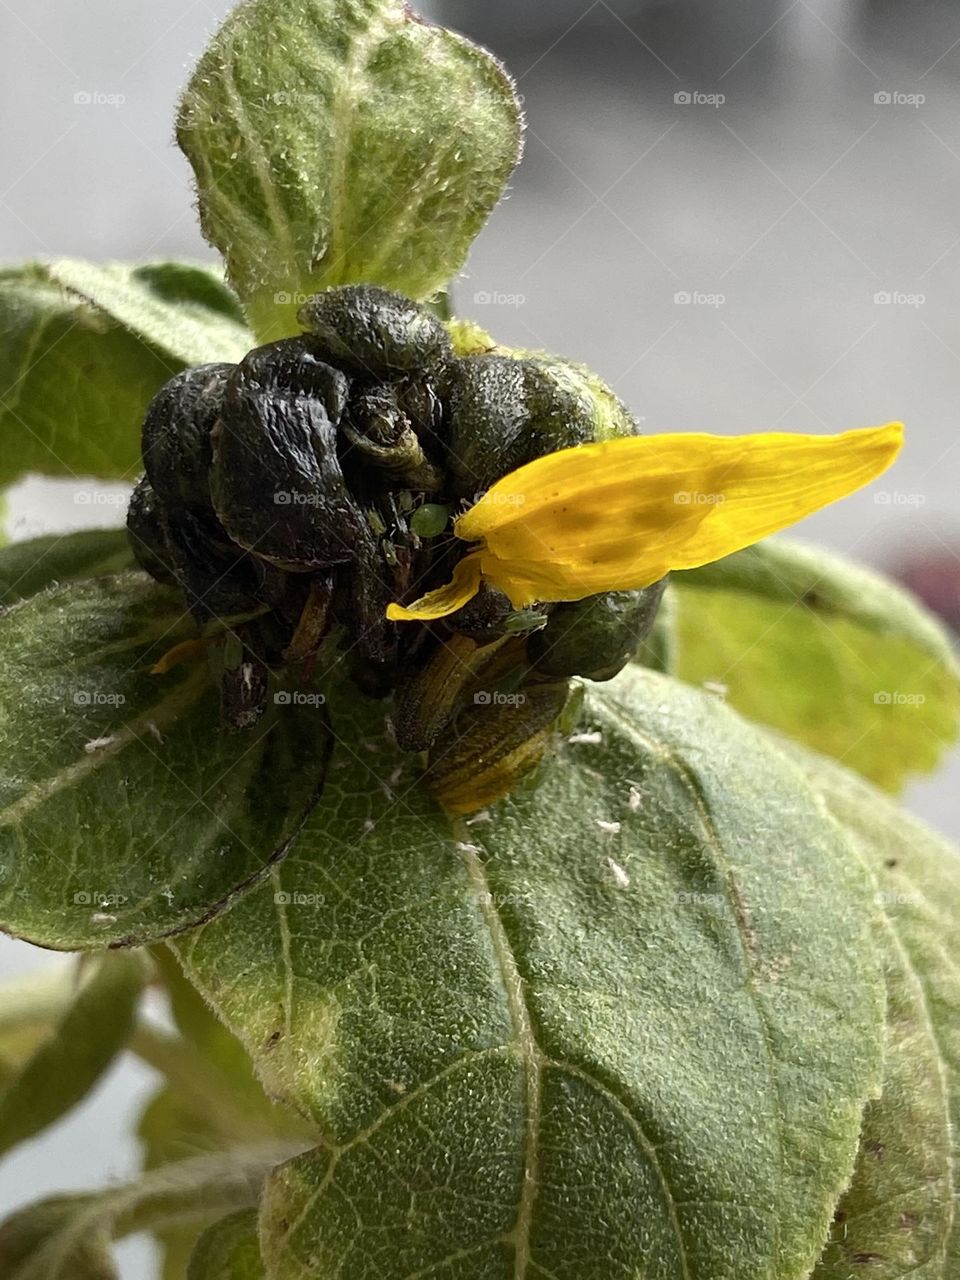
(69, 1237)
(343, 141)
(228, 1250)
(75, 1052)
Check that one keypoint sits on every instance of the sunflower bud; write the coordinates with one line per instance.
(294, 495)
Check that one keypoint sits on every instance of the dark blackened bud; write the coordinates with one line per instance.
(364, 591)
(382, 435)
(242, 666)
(375, 332)
(490, 432)
(176, 434)
(216, 578)
(485, 616)
(421, 400)
(598, 636)
(276, 481)
(296, 495)
(147, 534)
(293, 367)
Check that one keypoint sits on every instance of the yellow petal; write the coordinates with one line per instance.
(526, 581)
(619, 514)
(446, 599)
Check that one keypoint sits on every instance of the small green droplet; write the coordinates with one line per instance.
(429, 520)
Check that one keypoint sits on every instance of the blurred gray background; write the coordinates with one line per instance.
(745, 214)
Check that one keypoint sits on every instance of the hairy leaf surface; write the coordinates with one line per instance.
(340, 142)
(824, 651)
(126, 811)
(625, 1026)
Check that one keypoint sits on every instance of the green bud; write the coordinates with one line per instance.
(595, 637)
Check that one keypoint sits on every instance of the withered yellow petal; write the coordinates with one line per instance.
(445, 600)
(619, 514)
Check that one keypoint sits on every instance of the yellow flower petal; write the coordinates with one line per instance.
(619, 514)
(445, 600)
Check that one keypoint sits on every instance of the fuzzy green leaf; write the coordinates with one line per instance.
(229, 1095)
(209, 1101)
(178, 307)
(543, 1045)
(74, 384)
(30, 566)
(69, 1237)
(76, 1053)
(229, 1250)
(83, 350)
(211, 1096)
(126, 813)
(30, 1008)
(900, 1215)
(340, 142)
(824, 651)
